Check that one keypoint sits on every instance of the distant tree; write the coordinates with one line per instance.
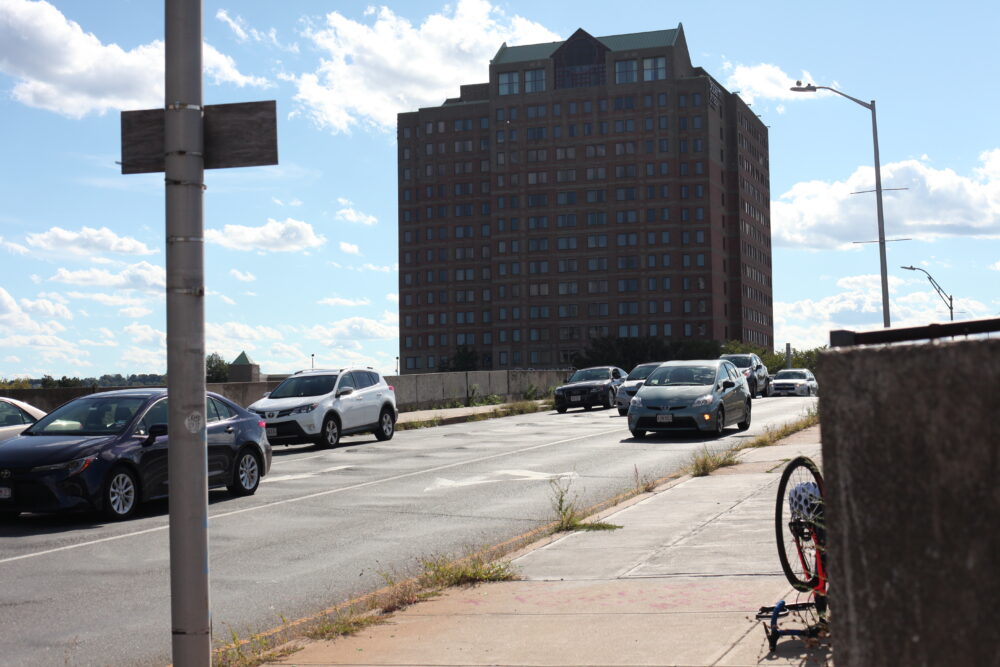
(48, 382)
(16, 383)
(464, 359)
(69, 382)
(216, 368)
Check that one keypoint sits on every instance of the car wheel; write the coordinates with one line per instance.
(121, 494)
(609, 400)
(638, 435)
(588, 407)
(330, 435)
(246, 474)
(720, 421)
(622, 413)
(386, 425)
(753, 389)
(560, 410)
(745, 424)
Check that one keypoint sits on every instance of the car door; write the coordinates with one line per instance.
(349, 405)
(152, 456)
(221, 428)
(733, 397)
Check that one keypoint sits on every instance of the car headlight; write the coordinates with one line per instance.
(594, 390)
(559, 390)
(636, 401)
(71, 467)
(702, 400)
(304, 408)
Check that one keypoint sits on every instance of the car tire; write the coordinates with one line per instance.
(745, 424)
(121, 494)
(720, 421)
(609, 400)
(753, 389)
(329, 436)
(246, 474)
(386, 425)
(638, 435)
(622, 413)
(560, 410)
(588, 407)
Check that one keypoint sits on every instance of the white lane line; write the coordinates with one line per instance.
(318, 494)
(499, 476)
(301, 475)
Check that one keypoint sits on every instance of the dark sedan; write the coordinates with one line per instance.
(588, 387)
(108, 452)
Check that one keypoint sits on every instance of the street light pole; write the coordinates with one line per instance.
(947, 298)
(810, 88)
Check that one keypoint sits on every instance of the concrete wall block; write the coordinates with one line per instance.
(911, 457)
(481, 381)
(455, 386)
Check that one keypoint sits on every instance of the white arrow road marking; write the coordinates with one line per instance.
(499, 476)
(303, 475)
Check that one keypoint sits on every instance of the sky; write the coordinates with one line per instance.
(301, 257)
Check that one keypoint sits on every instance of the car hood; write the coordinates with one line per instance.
(36, 450)
(276, 404)
(586, 384)
(674, 394)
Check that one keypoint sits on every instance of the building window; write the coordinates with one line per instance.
(534, 81)
(654, 69)
(626, 71)
(509, 83)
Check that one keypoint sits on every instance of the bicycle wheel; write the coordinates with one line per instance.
(800, 527)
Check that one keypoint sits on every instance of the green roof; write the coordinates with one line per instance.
(635, 40)
(242, 360)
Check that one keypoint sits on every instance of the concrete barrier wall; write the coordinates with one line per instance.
(413, 392)
(911, 454)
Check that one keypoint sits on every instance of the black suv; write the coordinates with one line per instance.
(753, 370)
(588, 387)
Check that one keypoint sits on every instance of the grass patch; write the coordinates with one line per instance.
(476, 569)
(705, 462)
(423, 423)
(773, 435)
(643, 483)
(342, 624)
(568, 516)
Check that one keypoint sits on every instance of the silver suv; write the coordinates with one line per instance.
(320, 406)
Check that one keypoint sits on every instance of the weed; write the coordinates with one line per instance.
(443, 572)
(342, 624)
(424, 423)
(489, 399)
(643, 483)
(568, 515)
(704, 462)
(531, 393)
(773, 435)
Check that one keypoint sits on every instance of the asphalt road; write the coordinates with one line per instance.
(324, 526)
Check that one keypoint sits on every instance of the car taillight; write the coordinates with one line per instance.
(392, 389)
(746, 372)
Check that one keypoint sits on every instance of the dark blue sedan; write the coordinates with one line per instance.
(108, 452)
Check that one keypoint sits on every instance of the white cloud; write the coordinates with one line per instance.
(938, 203)
(143, 276)
(274, 236)
(60, 67)
(349, 214)
(244, 32)
(113, 300)
(764, 81)
(339, 301)
(87, 241)
(241, 276)
(392, 296)
(349, 248)
(352, 330)
(231, 338)
(380, 269)
(13, 317)
(13, 248)
(46, 308)
(135, 312)
(995, 267)
(49, 349)
(143, 333)
(293, 202)
(374, 70)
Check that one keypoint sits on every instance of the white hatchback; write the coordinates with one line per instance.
(320, 406)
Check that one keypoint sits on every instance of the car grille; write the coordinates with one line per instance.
(280, 413)
(783, 386)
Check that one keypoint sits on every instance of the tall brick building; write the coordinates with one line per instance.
(600, 186)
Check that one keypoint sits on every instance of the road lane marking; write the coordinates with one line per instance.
(301, 475)
(317, 494)
(500, 476)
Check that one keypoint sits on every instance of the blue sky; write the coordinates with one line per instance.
(301, 257)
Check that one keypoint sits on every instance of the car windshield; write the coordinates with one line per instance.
(790, 375)
(642, 372)
(740, 361)
(675, 376)
(309, 385)
(98, 415)
(587, 374)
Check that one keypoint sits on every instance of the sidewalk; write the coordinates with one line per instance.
(678, 584)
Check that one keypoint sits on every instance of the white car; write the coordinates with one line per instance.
(628, 388)
(320, 406)
(794, 382)
(15, 416)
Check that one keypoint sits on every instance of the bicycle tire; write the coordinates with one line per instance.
(802, 558)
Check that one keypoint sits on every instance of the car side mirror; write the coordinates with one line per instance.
(639, 384)
(728, 384)
(346, 391)
(155, 431)
(265, 394)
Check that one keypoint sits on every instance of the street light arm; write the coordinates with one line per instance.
(811, 88)
(948, 301)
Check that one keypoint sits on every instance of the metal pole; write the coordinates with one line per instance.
(881, 223)
(188, 460)
(788, 355)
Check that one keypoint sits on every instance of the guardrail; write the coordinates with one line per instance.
(845, 338)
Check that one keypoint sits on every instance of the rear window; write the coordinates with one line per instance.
(642, 372)
(741, 361)
(790, 375)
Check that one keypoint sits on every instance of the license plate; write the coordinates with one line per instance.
(664, 419)
(272, 431)
(5, 492)
(575, 398)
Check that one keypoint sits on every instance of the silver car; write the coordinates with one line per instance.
(15, 416)
(706, 395)
(794, 382)
(627, 389)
